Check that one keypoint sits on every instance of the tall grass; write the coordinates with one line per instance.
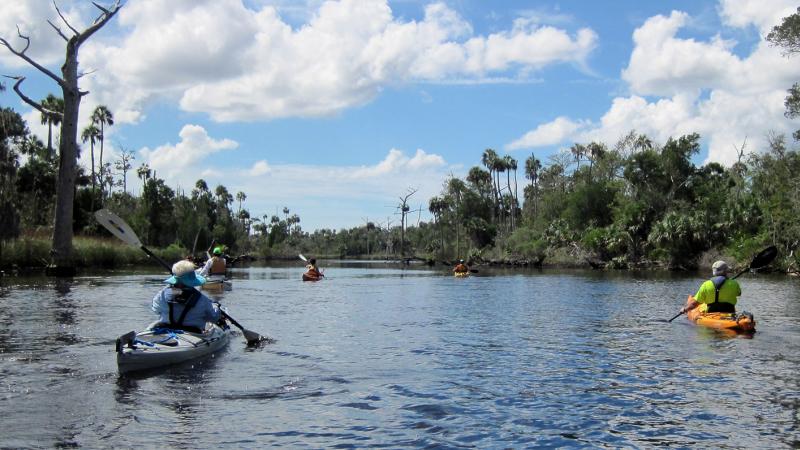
(33, 252)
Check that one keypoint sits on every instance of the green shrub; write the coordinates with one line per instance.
(26, 252)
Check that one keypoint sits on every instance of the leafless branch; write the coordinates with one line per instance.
(64, 19)
(99, 21)
(105, 11)
(21, 54)
(27, 40)
(83, 74)
(58, 30)
(24, 97)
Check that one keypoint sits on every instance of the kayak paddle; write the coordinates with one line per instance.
(763, 258)
(123, 231)
(302, 257)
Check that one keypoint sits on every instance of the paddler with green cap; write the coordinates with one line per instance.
(215, 265)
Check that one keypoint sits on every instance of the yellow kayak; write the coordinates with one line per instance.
(460, 274)
(738, 322)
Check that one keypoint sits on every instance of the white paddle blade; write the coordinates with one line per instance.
(117, 227)
(302, 257)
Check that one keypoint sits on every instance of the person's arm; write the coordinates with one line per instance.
(212, 310)
(157, 302)
(697, 299)
(691, 304)
(206, 267)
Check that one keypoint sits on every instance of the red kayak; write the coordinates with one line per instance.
(308, 277)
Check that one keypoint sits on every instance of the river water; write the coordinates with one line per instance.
(377, 356)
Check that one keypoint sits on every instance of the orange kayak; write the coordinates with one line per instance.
(739, 322)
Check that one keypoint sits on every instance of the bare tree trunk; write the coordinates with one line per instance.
(68, 146)
(68, 161)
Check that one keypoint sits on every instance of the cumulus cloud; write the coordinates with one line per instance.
(259, 168)
(742, 13)
(550, 133)
(664, 65)
(397, 161)
(681, 85)
(194, 147)
(46, 46)
(224, 59)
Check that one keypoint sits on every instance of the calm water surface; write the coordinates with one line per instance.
(384, 357)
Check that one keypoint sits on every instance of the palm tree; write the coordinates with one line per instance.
(91, 134)
(489, 160)
(500, 167)
(578, 151)
(437, 206)
(144, 172)
(240, 197)
(511, 164)
(102, 116)
(55, 107)
(594, 151)
(532, 168)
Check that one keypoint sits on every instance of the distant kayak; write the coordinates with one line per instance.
(739, 322)
(460, 274)
(217, 283)
(307, 277)
(157, 347)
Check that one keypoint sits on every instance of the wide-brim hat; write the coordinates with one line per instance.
(183, 272)
(190, 279)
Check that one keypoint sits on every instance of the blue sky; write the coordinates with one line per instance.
(336, 109)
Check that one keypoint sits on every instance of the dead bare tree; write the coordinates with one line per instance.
(404, 210)
(68, 147)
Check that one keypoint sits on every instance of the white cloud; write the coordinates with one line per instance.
(220, 58)
(546, 134)
(46, 46)
(698, 86)
(397, 161)
(194, 147)
(742, 13)
(258, 169)
(662, 64)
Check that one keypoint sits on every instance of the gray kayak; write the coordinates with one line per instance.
(158, 347)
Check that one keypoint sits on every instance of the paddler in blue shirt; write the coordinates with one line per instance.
(181, 306)
(718, 294)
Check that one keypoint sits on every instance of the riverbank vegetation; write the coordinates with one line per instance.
(634, 204)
